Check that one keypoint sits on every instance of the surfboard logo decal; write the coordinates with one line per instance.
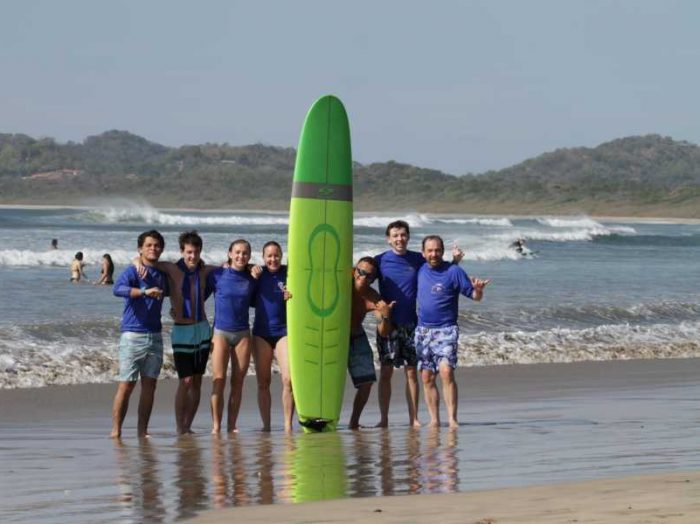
(322, 273)
(320, 191)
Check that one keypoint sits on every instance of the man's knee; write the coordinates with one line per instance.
(447, 374)
(385, 373)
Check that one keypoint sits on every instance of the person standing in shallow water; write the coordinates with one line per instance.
(270, 334)
(234, 288)
(360, 359)
(107, 271)
(141, 342)
(191, 333)
(77, 266)
(437, 333)
(397, 270)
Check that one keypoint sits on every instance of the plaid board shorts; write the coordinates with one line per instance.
(436, 345)
(399, 348)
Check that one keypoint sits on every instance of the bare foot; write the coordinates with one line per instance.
(116, 433)
(144, 435)
(287, 428)
(233, 430)
(215, 430)
(434, 424)
(416, 424)
(382, 424)
(453, 424)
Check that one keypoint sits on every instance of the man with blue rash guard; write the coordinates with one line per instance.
(234, 288)
(397, 273)
(437, 333)
(141, 344)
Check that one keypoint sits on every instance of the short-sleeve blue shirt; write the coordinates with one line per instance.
(438, 294)
(270, 310)
(141, 314)
(398, 282)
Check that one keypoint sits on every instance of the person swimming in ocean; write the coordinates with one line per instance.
(77, 266)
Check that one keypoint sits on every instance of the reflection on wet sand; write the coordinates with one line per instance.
(269, 468)
(190, 478)
(139, 480)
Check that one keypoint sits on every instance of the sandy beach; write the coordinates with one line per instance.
(537, 443)
(669, 498)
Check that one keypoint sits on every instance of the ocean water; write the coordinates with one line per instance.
(590, 290)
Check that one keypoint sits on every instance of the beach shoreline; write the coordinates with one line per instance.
(537, 434)
(672, 497)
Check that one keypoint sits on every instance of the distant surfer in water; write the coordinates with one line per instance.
(270, 334)
(141, 342)
(519, 246)
(437, 333)
(360, 359)
(54, 243)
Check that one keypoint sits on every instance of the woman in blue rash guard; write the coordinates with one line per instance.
(270, 334)
(234, 290)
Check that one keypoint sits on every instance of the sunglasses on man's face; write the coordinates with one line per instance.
(369, 275)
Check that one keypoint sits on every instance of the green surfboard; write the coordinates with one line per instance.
(319, 257)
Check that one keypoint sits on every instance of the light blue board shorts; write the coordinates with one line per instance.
(140, 354)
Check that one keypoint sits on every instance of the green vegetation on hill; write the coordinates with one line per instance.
(642, 175)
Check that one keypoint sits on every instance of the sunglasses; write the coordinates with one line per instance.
(369, 275)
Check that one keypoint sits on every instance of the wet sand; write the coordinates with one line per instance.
(520, 426)
(670, 498)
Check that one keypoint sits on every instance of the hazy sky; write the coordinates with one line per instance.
(461, 86)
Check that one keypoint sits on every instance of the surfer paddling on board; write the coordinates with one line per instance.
(437, 333)
(141, 342)
(270, 334)
(397, 271)
(360, 359)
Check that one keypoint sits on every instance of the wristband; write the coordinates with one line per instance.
(143, 291)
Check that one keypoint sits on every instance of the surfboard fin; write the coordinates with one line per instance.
(314, 424)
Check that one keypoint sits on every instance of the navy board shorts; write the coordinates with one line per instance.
(361, 361)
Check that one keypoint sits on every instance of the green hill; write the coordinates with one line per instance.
(640, 175)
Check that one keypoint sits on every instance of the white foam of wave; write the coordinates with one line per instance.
(607, 342)
(92, 257)
(414, 220)
(583, 222)
(498, 222)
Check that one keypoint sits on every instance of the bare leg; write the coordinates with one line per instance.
(120, 406)
(412, 395)
(361, 397)
(148, 390)
(384, 394)
(219, 365)
(183, 401)
(432, 397)
(240, 360)
(262, 353)
(195, 395)
(287, 396)
(449, 391)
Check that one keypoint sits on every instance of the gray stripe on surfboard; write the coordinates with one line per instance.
(322, 191)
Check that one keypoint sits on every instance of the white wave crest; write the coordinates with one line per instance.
(499, 222)
(607, 342)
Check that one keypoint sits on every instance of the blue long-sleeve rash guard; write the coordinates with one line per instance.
(141, 314)
(234, 293)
